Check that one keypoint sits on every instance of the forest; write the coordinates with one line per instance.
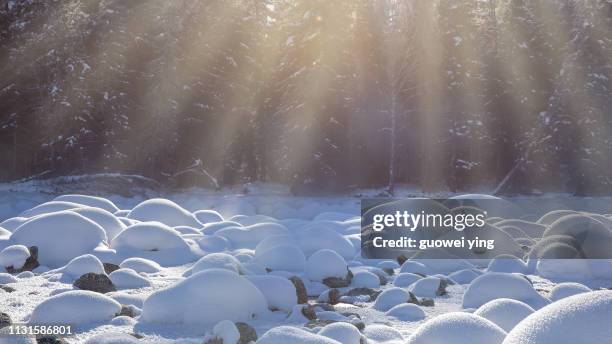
(510, 96)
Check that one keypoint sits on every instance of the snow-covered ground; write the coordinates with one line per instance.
(193, 265)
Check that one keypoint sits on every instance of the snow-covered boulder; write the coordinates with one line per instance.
(507, 263)
(383, 334)
(7, 278)
(406, 312)
(325, 263)
(217, 261)
(109, 222)
(213, 243)
(82, 265)
(14, 256)
(60, 237)
(405, 279)
(128, 279)
(314, 238)
(505, 313)
(154, 241)
(583, 318)
(592, 237)
(552, 216)
(208, 216)
(365, 279)
(140, 265)
(343, 332)
(225, 331)
(567, 289)
(280, 253)
(112, 338)
(49, 207)
(495, 285)
(12, 223)
(164, 211)
(75, 307)
(465, 276)
(413, 267)
(250, 236)
(428, 287)
(279, 291)
(390, 298)
(457, 328)
(91, 201)
(214, 227)
(288, 334)
(204, 299)
(533, 230)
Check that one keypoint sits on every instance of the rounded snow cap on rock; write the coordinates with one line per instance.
(507, 263)
(288, 334)
(49, 207)
(231, 296)
(250, 236)
(316, 237)
(75, 307)
(128, 279)
(465, 276)
(14, 256)
(325, 263)
(505, 313)
(12, 223)
(567, 289)
(60, 237)
(413, 267)
(407, 312)
(91, 201)
(583, 318)
(390, 298)
(164, 211)
(208, 216)
(109, 222)
(112, 338)
(458, 328)
(279, 291)
(406, 279)
(592, 236)
(496, 285)
(141, 265)
(82, 265)
(148, 236)
(280, 253)
(365, 279)
(343, 332)
(217, 261)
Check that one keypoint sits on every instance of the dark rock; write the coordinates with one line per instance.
(215, 340)
(413, 299)
(309, 312)
(247, 333)
(50, 340)
(31, 262)
(334, 296)
(401, 259)
(99, 283)
(359, 324)
(337, 282)
(361, 291)
(325, 306)
(110, 267)
(300, 289)
(136, 335)
(127, 310)
(389, 271)
(319, 323)
(7, 288)
(5, 320)
(442, 287)
(427, 302)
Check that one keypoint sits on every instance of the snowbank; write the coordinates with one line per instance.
(505, 313)
(457, 328)
(287, 334)
(495, 285)
(128, 279)
(14, 256)
(325, 263)
(60, 237)
(279, 291)
(583, 318)
(204, 299)
(75, 307)
(164, 211)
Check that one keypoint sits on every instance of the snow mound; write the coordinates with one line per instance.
(155, 241)
(128, 279)
(457, 328)
(14, 256)
(426, 287)
(583, 318)
(592, 236)
(279, 291)
(567, 289)
(365, 279)
(407, 312)
(141, 265)
(505, 313)
(465, 276)
(288, 334)
(82, 265)
(12, 223)
(7, 278)
(213, 228)
(405, 279)
(315, 237)
(164, 211)
(343, 332)
(249, 237)
(75, 307)
(49, 207)
(205, 299)
(507, 263)
(495, 285)
(325, 263)
(213, 243)
(226, 331)
(207, 216)
(112, 338)
(410, 266)
(217, 261)
(390, 298)
(91, 201)
(60, 237)
(109, 222)
(383, 334)
(280, 253)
